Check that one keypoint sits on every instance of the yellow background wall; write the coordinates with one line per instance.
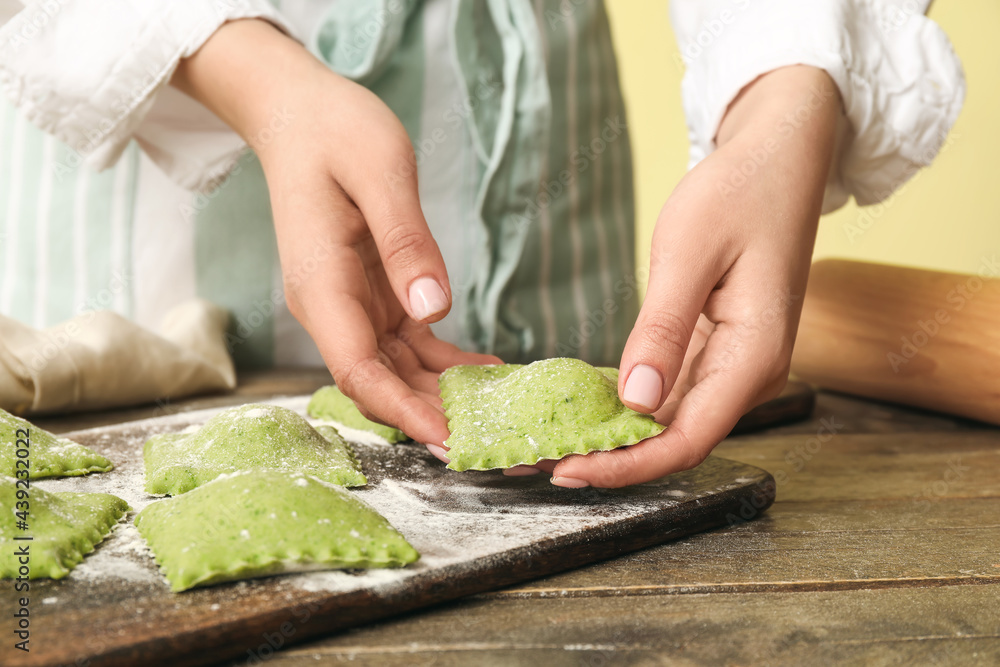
(947, 218)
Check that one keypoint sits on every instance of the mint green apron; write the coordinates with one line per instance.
(549, 199)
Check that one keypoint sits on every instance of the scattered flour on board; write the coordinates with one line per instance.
(126, 481)
(443, 538)
(471, 524)
(123, 555)
(353, 435)
(336, 581)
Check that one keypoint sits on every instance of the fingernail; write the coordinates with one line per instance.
(570, 482)
(439, 453)
(643, 387)
(426, 298)
(521, 471)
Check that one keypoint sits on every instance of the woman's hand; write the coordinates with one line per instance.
(361, 270)
(730, 259)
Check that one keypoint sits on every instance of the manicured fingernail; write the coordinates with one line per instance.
(426, 298)
(643, 387)
(439, 453)
(570, 482)
(521, 471)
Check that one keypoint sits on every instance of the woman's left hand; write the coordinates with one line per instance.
(730, 259)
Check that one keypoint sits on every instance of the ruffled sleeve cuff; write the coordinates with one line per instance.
(901, 83)
(95, 74)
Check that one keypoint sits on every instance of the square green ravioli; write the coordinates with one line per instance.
(250, 437)
(64, 527)
(503, 416)
(259, 523)
(50, 455)
(331, 404)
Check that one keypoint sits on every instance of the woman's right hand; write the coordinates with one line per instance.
(362, 272)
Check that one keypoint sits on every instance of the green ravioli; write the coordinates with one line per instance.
(255, 524)
(503, 416)
(48, 454)
(64, 528)
(250, 437)
(331, 404)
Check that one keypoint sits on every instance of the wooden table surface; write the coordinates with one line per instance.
(883, 548)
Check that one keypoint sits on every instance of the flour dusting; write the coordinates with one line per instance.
(455, 520)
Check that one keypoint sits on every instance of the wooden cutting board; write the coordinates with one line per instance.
(476, 531)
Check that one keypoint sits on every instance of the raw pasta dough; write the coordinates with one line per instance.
(503, 416)
(250, 437)
(50, 455)
(330, 404)
(64, 528)
(257, 523)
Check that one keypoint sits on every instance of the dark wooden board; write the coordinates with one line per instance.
(476, 531)
(795, 403)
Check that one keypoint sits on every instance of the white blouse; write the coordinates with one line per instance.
(94, 74)
(901, 82)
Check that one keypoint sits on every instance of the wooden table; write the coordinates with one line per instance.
(883, 548)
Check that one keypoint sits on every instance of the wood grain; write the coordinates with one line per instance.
(142, 622)
(863, 559)
(800, 546)
(953, 625)
(795, 403)
(918, 337)
(869, 556)
(919, 467)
